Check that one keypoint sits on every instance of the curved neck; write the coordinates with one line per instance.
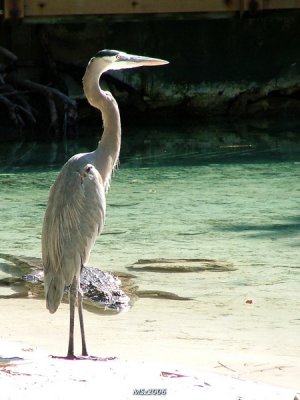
(107, 153)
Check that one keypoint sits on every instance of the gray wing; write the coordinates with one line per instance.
(74, 217)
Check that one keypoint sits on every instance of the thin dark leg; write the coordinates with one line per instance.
(73, 296)
(80, 296)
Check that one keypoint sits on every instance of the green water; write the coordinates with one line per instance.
(245, 213)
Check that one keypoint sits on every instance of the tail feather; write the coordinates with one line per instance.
(54, 290)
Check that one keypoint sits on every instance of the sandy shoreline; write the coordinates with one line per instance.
(144, 335)
(37, 374)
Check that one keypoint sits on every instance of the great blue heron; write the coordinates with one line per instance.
(76, 207)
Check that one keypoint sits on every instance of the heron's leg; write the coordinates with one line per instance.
(80, 297)
(72, 300)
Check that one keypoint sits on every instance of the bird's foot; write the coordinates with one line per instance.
(68, 357)
(87, 357)
(96, 358)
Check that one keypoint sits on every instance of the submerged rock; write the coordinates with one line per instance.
(24, 276)
(160, 294)
(181, 265)
(101, 289)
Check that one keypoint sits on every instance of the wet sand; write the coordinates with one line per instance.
(161, 332)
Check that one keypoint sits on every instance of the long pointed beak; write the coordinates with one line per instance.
(132, 61)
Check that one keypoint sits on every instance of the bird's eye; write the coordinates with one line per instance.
(88, 169)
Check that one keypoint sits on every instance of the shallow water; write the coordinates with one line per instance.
(174, 205)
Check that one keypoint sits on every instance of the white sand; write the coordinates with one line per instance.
(42, 377)
(143, 335)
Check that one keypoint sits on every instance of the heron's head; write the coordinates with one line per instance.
(115, 60)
